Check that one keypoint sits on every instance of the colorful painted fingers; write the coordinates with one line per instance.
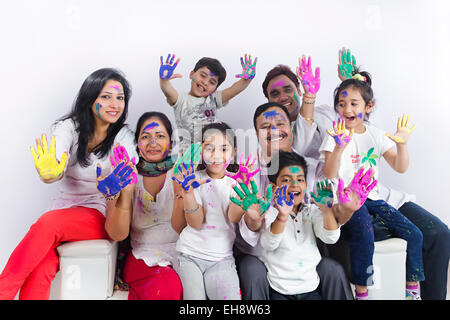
(112, 184)
(249, 200)
(188, 177)
(340, 133)
(248, 68)
(119, 155)
(45, 159)
(166, 69)
(403, 132)
(244, 173)
(359, 188)
(311, 82)
(347, 64)
(324, 193)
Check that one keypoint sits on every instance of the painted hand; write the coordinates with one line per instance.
(310, 82)
(403, 132)
(347, 64)
(189, 179)
(324, 194)
(193, 155)
(339, 135)
(112, 184)
(248, 68)
(255, 206)
(283, 205)
(45, 160)
(120, 154)
(244, 174)
(357, 192)
(166, 69)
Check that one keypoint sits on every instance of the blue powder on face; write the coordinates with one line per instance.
(360, 115)
(344, 94)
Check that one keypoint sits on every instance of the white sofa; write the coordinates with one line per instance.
(87, 270)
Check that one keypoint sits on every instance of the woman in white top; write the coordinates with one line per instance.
(147, 207)
(81, 140)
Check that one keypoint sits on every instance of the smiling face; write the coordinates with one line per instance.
(282, 90)
(109, 105)
(154, 140)
(294, 177)
(274, 130)
(203, 82)
(352, 108)
(216, 152)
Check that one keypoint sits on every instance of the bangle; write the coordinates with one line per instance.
(281, 220)
(309, 102)
(114, 197)
(125, 209)
(189, 211)
(178, 196)
(309, 119)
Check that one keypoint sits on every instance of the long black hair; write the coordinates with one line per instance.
(84, 118)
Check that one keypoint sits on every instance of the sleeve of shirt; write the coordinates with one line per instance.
(304, 133)
(65, 137)
(218, 99)
(125, 137)
(385, 143)
(269, 240)
(327, 236)
(327, 145)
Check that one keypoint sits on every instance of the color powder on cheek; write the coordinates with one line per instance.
(344, 94)
(360, 115)
(150, 126)
(98, 106)
(278, 84)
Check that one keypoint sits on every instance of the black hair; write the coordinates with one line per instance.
(226, 130)
(364, 87)
(153, 114)
(259, 110)
(275, 72)
(214, 66)
(287, 159)
(84, 118)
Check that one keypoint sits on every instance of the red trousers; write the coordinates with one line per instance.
(151, 283)
(35, 262)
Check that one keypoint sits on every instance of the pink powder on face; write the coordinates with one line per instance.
(278, 84)
(117, 88)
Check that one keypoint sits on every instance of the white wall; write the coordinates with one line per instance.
(49, 47)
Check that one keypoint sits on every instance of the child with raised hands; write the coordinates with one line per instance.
(79, 142)
(205, 246)
(290, 252)
(199, 106)
(354, 143)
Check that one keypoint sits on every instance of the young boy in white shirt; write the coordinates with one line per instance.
(198, 107)
(290, 251)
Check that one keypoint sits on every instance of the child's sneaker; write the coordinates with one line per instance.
(412, 292)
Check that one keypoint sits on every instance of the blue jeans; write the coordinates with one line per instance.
(435, 251)
(375, 221)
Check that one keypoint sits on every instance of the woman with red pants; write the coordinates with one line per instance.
(81, 140)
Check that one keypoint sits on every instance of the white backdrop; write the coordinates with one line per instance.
(49, 47)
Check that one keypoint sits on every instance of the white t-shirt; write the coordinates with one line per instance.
(152, 237)
(365, 149)
(78, 187)
(214, 240)
(291, 257)
(192, 113)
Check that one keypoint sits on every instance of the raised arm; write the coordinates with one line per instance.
(399, 160)
(311, 85)
(165, 75)
(333, 159)
(47, 166)
(248, 73)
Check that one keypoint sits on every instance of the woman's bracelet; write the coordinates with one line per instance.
(189, 211)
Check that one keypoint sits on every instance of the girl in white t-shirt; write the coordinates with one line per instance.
(206, 263)
(79, 142)
(344, 152)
